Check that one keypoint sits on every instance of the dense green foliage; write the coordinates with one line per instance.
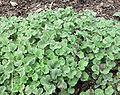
(56, 49)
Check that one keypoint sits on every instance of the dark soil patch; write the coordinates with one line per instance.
(104, 8)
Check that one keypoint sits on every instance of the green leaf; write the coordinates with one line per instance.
(35, 83)
(61, 61)
(82, 64)
(96, 61)
(105, 71)
(84, 76)
(58, 23)
(91, 56)
(62, 84)
(84, 45)
(72, 74)
(12, 46)
(5, 49)
(79, 73)
(71, 38)
(101, 53)
(60, 52)
(73, 82)
(42, 44)
(2, 89)
(80, 54)
(64, 44)
(71, 90)
(28, 90)
(115, 49)
(110, 55)
(45, 69)
(28, 68)
(9, 56)
(118, 74)
(19, 55)
(39, 53)
(99, 92)
(66, 69)
(117, 41)
(1, 68)
(116, 14)
(83, 93)
(94, 75)
(110, 64)
(4, 77)
(40, 91)
(118, 68)
(24, 79)
(90, 91)
(18, 63)
(49, 89)
(95, 68)
(109, 91)
(35, 77)
(20, 71)
(108, 77)
(5, 41)
(9, 68)
(107, 40)
(55, 45)
(118, 87)
(117, 56)
(15, 89)
(4, 93)
(35, 91)
(45, 80)
(55, 73)
(63, 92)
(101, 24)
(95, 50)
(112, 33)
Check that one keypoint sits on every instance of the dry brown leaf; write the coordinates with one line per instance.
(13, 3)
(38, 10)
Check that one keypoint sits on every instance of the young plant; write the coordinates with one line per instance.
(54, 49)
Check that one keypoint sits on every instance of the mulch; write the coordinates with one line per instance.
(104, 8)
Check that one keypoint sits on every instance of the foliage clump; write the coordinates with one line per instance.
(55, 49)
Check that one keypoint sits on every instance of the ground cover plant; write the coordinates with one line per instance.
(117, 14)
(49, 52)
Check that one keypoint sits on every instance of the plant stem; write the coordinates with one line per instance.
(11, 83)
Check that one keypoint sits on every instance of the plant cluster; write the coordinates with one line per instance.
(53, 50)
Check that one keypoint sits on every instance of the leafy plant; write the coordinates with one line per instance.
(117, 14)
(55, 49)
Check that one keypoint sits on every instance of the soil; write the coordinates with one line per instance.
(104, 8)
